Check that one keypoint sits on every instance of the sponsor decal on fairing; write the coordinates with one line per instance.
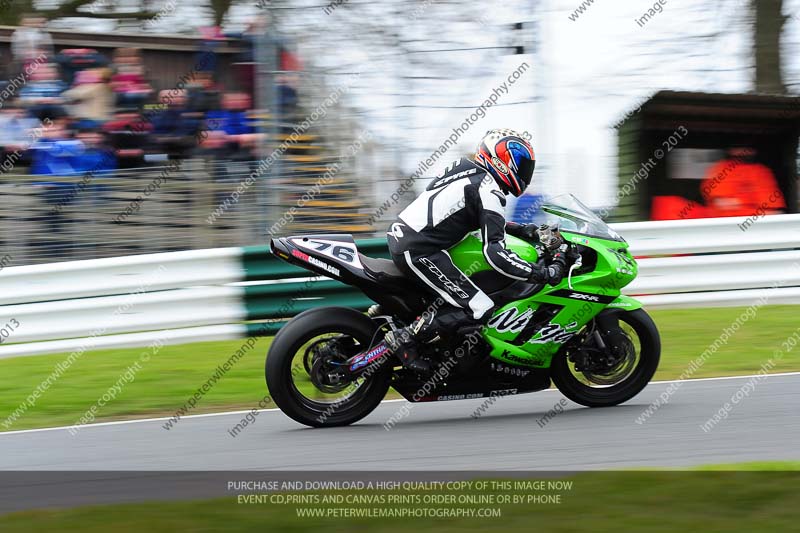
(554, 333)
(316, 262)
(510, 321)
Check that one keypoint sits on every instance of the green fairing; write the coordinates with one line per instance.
(615, 268)
(625, 302)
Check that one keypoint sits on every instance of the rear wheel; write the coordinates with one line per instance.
(614, 368)
(303, 357)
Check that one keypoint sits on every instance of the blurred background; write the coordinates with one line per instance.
(139, 126)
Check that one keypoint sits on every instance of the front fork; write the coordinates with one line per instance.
(581, 355)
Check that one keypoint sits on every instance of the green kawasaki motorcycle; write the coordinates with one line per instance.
(329, 367)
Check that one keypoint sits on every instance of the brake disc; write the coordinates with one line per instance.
(321, 377)
(318, 363)
(313, 353)
(621, 348)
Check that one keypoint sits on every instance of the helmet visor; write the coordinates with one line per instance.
(525, 172)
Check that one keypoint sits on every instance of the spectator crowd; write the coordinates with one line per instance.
(98, 113)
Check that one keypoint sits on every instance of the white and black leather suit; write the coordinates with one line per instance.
(464, 199)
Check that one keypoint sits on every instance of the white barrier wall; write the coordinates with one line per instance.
(192, 296)
(717, 262)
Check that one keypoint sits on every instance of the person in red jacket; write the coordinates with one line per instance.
(740, 186)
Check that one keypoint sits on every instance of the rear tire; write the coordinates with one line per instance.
(300, 330)
(650, 353)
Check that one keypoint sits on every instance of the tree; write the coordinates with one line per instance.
(220, 9)
(10, 15)
(768, 25)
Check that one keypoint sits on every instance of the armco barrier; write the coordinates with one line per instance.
(229, 293)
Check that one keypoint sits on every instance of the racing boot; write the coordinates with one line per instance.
(403, 343)
(450, 321)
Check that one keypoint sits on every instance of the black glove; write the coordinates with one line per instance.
(551, 274)
(557, 268)
(523, 231)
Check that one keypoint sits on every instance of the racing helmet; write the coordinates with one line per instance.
(509, 158)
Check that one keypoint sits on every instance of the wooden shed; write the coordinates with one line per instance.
(769, 124)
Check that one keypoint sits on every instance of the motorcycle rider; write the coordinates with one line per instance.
(469, 195)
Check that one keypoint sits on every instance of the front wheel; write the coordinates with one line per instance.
(300, 360)
(615, 358)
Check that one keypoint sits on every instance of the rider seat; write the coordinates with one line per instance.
(383, 270)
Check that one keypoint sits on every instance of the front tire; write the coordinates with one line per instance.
(282, 367)
(604, 396)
